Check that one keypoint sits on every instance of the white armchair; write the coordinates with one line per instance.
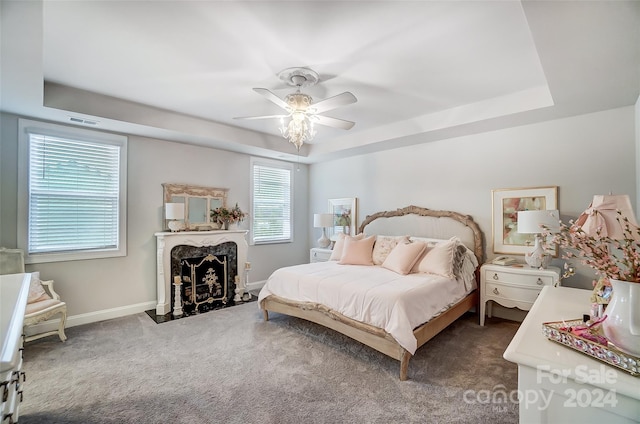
(43, 302)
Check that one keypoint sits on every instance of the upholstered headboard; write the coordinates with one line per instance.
(423, 222)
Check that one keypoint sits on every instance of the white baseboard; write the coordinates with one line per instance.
(256, 285)
(74, 320)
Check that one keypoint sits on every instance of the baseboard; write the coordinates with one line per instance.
(256, 285)
(75, 320)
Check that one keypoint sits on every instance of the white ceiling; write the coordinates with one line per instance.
(421, 70)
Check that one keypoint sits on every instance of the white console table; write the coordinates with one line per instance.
(557, 384)
(14, 289)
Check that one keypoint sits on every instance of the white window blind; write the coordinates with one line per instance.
(271, 202)
(72, 180)
(73, 195)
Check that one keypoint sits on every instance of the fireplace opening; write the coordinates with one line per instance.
(207, 275)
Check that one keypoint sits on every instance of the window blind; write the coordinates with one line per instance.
(73, 195)
(271, 203)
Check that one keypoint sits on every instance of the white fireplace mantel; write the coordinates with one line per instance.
(166, 241)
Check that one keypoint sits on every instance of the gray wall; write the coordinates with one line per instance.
(583, 156)
(92, 286)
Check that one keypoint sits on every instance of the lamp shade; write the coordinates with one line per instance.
(322, 220)
(531, 222)
(174, 210)
(602, 214)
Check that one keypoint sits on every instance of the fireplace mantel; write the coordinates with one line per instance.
(166, 241)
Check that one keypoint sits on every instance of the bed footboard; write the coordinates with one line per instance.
(366, 334)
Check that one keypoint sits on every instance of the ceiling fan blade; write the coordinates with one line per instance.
(343, 99)
(271, 97)
(261, 117)
(333, 122)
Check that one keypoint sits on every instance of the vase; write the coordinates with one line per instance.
(622, 326)
(225, 224)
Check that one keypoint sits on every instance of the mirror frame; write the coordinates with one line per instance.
(188, 192)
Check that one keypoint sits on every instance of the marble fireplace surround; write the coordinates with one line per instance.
(166, 241)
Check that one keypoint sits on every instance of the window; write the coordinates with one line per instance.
(71, 188)
(271, 201)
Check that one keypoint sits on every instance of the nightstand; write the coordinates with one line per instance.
(318, 254)
(513, 286)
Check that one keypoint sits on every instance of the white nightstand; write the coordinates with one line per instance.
(318, 254)
(513, 286)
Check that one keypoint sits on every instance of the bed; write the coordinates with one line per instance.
(394, 311)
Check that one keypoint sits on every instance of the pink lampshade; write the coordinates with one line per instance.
(602, 214)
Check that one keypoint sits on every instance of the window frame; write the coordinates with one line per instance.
(27, 127)
(254, 161)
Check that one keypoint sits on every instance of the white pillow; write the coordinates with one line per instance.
(336, 253)
(439, 259)
(404, 256)
(357, 252)
(384, 245)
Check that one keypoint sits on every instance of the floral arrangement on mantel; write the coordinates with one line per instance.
(609, 257)
(224, 216)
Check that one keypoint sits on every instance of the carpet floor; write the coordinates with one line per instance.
(229, 366)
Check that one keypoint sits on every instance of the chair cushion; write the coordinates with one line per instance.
(41, 305)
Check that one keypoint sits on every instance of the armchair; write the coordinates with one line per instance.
(43, 302)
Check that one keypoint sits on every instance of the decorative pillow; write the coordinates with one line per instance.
(404, 256)
(440, 259)
(384, 245)
(458, 259)
(357, 252)
(36, 291)
(336, 253)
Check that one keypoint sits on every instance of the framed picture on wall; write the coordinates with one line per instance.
(345, 216)
(505, 207)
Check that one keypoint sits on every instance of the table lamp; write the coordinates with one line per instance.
(174, 213)
(531, 222)
(323, 220)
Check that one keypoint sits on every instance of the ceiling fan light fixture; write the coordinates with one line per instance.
(298, 125)
(298, 130)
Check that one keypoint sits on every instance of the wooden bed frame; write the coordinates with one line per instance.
(374, 337)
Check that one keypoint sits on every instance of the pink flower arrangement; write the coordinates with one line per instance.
(233, 215)
(610, 258)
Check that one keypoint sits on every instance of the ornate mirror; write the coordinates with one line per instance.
(198, 201)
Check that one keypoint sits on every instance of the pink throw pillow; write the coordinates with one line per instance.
(438, 260)
(336, 253)
(384, 245)
(357, 252)
(404, 256)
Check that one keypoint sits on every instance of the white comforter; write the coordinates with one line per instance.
(371, 294)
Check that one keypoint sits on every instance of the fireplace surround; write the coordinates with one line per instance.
(167, 241)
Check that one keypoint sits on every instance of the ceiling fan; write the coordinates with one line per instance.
(302, 114)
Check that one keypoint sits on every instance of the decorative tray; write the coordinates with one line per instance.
(609, 354)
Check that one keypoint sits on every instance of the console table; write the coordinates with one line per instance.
(14, 289)
(558, 384)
